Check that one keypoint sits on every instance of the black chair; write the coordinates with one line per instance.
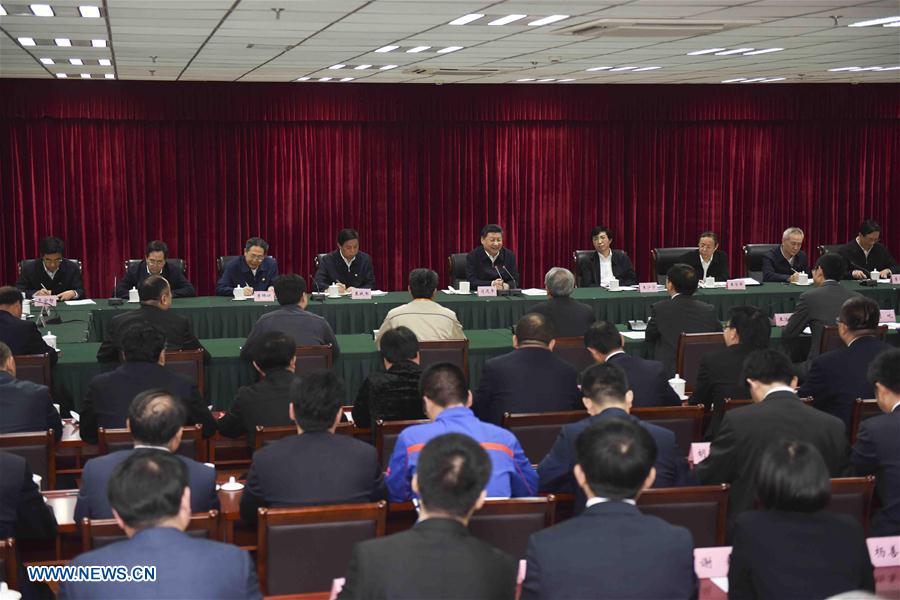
(753, 254)
(537, 432)
(456, 267)
(826, 248)
(572, 350)
(578, 258)
(507, 524)
(686, 422)
(853, 496)
(862, 410)
(34, 368)
(192, 443)
(38, 448)
(832, 341)
(691, 349)
(700, 509)
(28, 261)
(386, 434)
(178, 264)
(97, 533)
(311, 358)
(663, 258)
(452, 351)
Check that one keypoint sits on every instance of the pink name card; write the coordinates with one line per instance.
(895, 279)
(43, 300)
(264, 296)
(648, 287)
(712, 562)
(361, 294)
(781, 319)
(736, 284)
(336, 586)
(699, 452)
(887, 316)
(522, 568)
(884, 551)
(486, 291)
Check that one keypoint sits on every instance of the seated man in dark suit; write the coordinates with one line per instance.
(254, 271)
(776, 413)
(785, 263)
(492, 264)
(529, 379)
(155, 419)
(647, 379)
(877, 448)
(51, 274)
(265, 402)
(681, 313)
(151, 502)
(22, 337)
(346, 266)
(438, 557)
(394, 394)
(305, 328)
(315, 466)
(708, 261)
(154, 263)
(568, 317)
(24, 405)
(110, 394)
(865, 254)
(156, 300)
(837, 378)
(606, 396)
(606, 263)
(612, 550)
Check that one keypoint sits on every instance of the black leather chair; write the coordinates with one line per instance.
(753, 254)
(691, 349)
(174, 263)
(28, 261)
(537, 432)
(456, 267)
(862, 410)
(663, 258)
(579, 257)
(38, 448)
(826, 248)
(316, 262)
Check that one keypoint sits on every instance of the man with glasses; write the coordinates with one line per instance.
(52, 275)
(254, 272)
(155, 263)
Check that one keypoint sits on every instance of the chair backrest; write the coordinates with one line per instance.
(9, 563)
(831, 340)
(826, 248)
(691, 348)
(324, 536)
(386, 433)
(572, 350)
(178, 264)
(34, 368)
(451, 351)
(753, 254)
(192, 443)
(732, 403)
(266, 435)
(862, 410)
(663, 258)
(536, 432)
(507, 524)
(96, 533)
(579, 257)
(38, 448)
(317, 260)
(686, 422)
(456, 267)
(313, 358)
(188, 363)
(28, 261)
(222, 262)
(853, 496)
(700, 509)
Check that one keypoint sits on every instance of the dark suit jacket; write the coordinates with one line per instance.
(793, 555)
(437, 558)
(818, 307)
(670, 318)
(718, 268)
(181, 287)
(311, 469)
(110, 394)
(68, 277)
(480, 270)
(93, 503)
(524, 381)
(623, 270)
(26, 406)
(877, 452)
(747, 431)
(392, 395)
(555, 470)
(237, 273)
(306, 328)
(775, 266)
(611, 551)
(23, 512)
(23, 337)
(186, 567)
(178, 331)
(262, 403)
(332, 268)
(647, 379)
(879, 259)
(719, 377)
(568, 317)
(837, 378)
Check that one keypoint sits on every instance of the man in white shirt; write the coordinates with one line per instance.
(426, 318)
(707, 260)
(605, 263)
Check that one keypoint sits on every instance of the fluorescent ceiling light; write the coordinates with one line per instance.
(109, 76)
(85, 75)
(736, 80)
(61, 75)
(646, 69)
(2, 11)
(771, 79)
(337, 66)
(302, 79)
(754, 80)
(98, 43)
(869, 69)
(465, 19)
(565, 80)
(348, 78)
(42, 10)
(894, 24)
(47, 61)
(89, 12)
(524, 80)
(362, 67)
(621, 69)
(76, 61)
(874, 22)
(65, 42)
(449, 49)
(735, 51)
(545, 80)
(548, 20)
(707, 51)
(598, 69)
(507, 19)
(324, 78)
(26, 41)
(889, 69)
(843, 69)
(417, 49)
(763, 51)
(387, 67)
(387, 48)
(105, 62)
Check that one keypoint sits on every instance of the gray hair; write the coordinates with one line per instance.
(791, 231)
(559, 282)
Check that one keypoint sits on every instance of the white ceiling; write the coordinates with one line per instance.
(241, 40)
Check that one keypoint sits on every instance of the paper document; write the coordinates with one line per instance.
(79, 302)
(379, 293)
(721, 583)
(451, 291)
(634, 335)
(892, 325)
(534, 292)
(751, 281)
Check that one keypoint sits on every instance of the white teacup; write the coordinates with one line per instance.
(874, 275)
(237, 292)
(333, 291)
(709, 281)
(463, 287)
(37, 480)
(613, 284)
(803, 279)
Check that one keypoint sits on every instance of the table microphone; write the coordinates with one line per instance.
(115, 300)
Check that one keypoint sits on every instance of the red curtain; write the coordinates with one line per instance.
(419, 169)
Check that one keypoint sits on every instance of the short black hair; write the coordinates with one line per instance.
(444, 384)
(792, 476)
(422, 283)
(10, 295)
(256, 241)
(274, 350)
(51, 245)
(5, 353)
(603, 337)
(616, 456)
(860, 312)
(601, 229)
(684, 278)
(147, 487)
(833, 265)
(709, 234)
(155, 416)
(317, 397)
(345, 235)
(142, 342)
(534, 327)
(603, 383)
(768, 367)
(399, 344)
(869, 226)
(752, 326)
(491, 228)
(157, 246)
(152, 288)
(452, 471)
(885, 369)
(289, 289)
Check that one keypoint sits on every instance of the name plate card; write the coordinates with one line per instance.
(887, 316)
(361, 294)
(736, 284)
(781, 319)
(699, 452)
(486, 290)
(648, 287)
(895, 279)
(884, 551)
(264, 296)
(712, 562)
(336, 586)
(43, 300)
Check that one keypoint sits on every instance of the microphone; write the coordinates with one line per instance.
(316, 285)
(114, 300)
(510, 276)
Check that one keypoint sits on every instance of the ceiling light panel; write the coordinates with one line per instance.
(872, 22)
(42, 10)
(26, 41)
(387, 48)
(89, 12)
(98, 43)
(463, 20)
(548, 20)
(507, 20)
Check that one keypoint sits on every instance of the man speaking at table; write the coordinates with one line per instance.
(346, 266)
(785, 262)
(155, 263)
(492, 264)
(864, 254)
(254, 272)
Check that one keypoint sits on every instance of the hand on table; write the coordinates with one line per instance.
(248, 291)
(67, 295)
(857, 274)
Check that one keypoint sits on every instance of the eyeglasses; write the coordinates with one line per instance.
(52, 261)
